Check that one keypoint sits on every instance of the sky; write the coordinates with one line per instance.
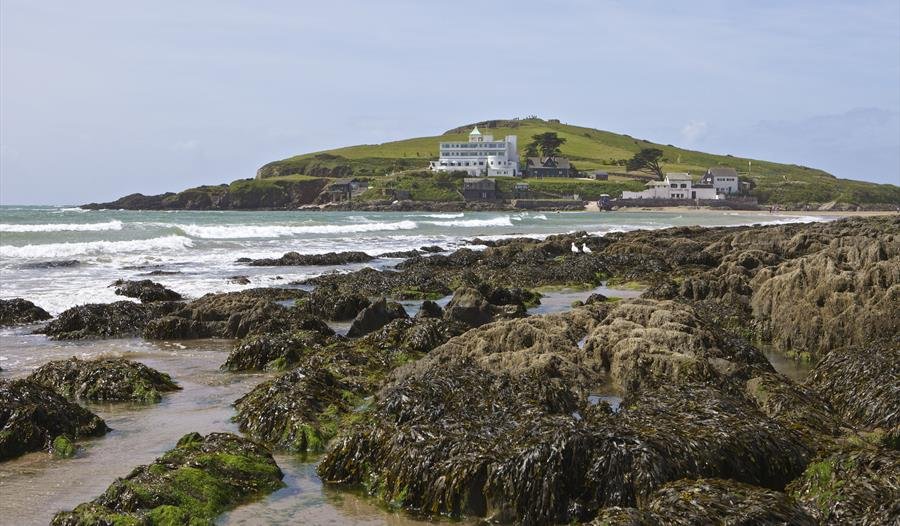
(100, 99)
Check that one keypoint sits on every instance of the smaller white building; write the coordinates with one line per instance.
(480, 156)
(723, 178)
(675, 186)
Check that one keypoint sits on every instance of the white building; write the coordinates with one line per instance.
(480, 156)
(724, 179)
(675, 186)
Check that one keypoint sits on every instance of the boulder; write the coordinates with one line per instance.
(861, 383)
(18, 310)
(32, 416)
(145, 290)
(275, 351)
(648, 343)
(190, 484)
(330, 304)
(375, 316)
(121, 319)
(430, 309)
(470, 307)
(299, 411)
(330, 259)
(851, 485)
(717, 501)
(104, 379)
(228, 315)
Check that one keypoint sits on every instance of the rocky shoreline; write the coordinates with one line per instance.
(473, 408)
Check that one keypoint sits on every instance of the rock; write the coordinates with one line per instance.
(412, 336)
(239, 280)
(329, 304)
(121, 319)
(400, 254)
(648, 343)
(18, 310)
(852, 485)
(375, 316)
(228, 315)
(430, 309)
(470, 307)
(104, 379)
(32, 416)
(62, 447)
(145, 290)
(190, 484)
(453, 437)
(432, 249)
(299, 411)
(717, 501)
(278, 351)
(861, 383)
(296, 259)
(63, 263)
(797, 407)
(595, 298)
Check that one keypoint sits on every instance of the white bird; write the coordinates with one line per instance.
(586, 249)
(574, 248)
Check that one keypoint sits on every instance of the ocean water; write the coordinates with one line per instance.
(59, 257)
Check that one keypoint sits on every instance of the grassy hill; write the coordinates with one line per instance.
(589, 149)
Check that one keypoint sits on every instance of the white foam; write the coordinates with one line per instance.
(62, 227)
(271, 231)
(440, 216)
(58, 250)
(469, 223)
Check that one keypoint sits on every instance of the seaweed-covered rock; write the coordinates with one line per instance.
(716, 501)
(32, 416)
(430, 309)
(295, 259)
(104, 379)
(852, 485)
(453, 437)
(376, 316)
(276, 351)
(861, 383)
(413, 336)
(646, 343)
(795, 406)
(145, 290)
(18, 310)
(298, 411)
(472, 307)
(190, 484)
(329, 304)
(228, 315)
(121, 319)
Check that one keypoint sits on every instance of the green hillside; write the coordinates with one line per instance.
(589, 149)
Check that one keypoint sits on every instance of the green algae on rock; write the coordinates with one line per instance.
(32, 416)
(852, 485)
(190, 484)
(104, 379)
(62, 447)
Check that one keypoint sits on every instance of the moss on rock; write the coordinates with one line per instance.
(190, 484)
(104, 379)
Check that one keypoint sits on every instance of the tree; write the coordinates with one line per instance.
(548, 143)
(531, 150)
(647, 160)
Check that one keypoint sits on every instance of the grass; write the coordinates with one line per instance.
(589, 149)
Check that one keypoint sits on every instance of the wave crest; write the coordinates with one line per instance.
(60, 250)
(62, 227)
(469, 223)
(264, 231)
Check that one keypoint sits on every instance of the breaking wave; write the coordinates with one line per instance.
(269, 231)
(467, 223)
(62, 227)
(58, 250)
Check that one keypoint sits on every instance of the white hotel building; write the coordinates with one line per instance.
(481, 156)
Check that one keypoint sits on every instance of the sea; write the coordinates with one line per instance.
(59, 257)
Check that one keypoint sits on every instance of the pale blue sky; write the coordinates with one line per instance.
(101, 99)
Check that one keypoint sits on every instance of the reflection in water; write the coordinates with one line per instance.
(561, 300)
(796, 370)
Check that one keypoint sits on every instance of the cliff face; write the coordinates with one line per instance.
(241, 195)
